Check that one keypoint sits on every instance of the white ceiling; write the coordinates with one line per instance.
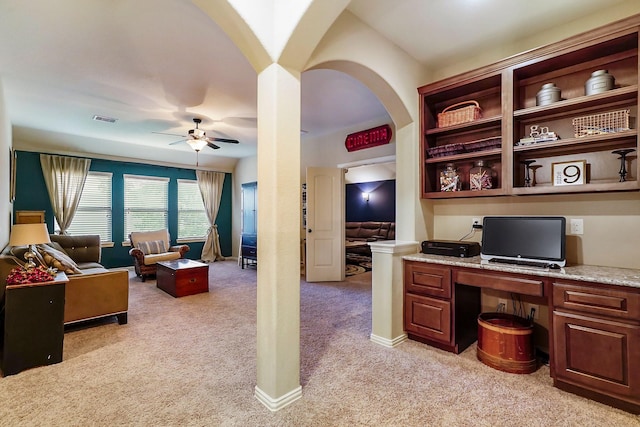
(153, 65)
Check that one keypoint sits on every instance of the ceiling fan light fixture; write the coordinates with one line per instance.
(197, 133)
(197, 144)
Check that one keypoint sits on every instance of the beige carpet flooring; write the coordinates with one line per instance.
(191, 362)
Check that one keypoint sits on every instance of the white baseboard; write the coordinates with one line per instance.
(387, 342)
(276, 404)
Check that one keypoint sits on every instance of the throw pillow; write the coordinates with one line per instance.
(153, 247)
(56, 259)
(56, 246)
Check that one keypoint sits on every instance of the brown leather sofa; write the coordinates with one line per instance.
(93, 293)
(367, 231)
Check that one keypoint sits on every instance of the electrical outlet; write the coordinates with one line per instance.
(503, 305)
(577, 226)
(476, 221)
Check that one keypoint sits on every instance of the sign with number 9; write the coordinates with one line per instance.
(569, 173)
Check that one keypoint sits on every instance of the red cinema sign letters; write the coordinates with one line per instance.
(380, 135)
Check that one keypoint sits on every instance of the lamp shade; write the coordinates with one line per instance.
(29, 234)
(197, 144)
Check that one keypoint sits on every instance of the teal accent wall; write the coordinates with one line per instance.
(31, 194)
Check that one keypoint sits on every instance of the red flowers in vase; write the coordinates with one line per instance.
(38, 274)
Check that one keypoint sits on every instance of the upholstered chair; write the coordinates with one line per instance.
(150, 247)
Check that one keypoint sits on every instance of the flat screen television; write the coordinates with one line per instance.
(524, 238)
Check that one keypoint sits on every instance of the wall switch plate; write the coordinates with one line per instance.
(577, 226)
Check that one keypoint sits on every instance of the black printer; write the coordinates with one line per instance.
(451, 248)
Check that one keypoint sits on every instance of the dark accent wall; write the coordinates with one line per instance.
(31, 194)
(381, 205)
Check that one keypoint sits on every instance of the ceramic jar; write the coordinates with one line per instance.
(450, 179)
(600, 81)
(549, 94)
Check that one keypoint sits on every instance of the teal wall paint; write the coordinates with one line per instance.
(31, 194)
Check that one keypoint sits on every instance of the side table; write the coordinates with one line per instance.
(33, 325)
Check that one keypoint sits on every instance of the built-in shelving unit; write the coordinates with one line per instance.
(506, 92)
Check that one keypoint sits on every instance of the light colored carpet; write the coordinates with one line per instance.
(191, 362)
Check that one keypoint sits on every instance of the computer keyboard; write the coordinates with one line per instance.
(519, 262)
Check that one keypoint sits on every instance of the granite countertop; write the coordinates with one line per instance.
(586, 273)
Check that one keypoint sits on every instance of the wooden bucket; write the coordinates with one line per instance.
(505, 342)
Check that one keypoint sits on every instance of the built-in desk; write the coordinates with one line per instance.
(594, 317)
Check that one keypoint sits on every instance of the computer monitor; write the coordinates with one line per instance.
(525, 238)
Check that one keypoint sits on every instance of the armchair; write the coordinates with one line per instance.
(149, 247)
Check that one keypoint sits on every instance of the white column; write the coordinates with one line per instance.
(278, 305)
(387, 291)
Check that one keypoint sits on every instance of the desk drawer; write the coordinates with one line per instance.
(599, 299)
(249, 251)
(500, 282)
(249, 240)
(427, 279)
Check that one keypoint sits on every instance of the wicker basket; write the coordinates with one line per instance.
(596, 124)
(446, 150)
(451, 115)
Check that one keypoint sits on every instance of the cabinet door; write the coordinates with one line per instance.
(428, 317)
(33, 328)
(613, 370)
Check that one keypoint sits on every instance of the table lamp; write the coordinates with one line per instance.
(30, 235)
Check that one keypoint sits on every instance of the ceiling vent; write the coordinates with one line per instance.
(104, 119)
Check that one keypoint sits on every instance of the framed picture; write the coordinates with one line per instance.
(569, 173)
(12, 175)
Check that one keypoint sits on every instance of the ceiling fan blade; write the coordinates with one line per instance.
(212, 145)
(177, 142)
(228, 141)
(172, 134)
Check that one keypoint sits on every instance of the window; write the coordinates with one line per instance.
(192, 218)
(93, 215)
(145, 204)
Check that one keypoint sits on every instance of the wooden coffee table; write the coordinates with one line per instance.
(182, 277)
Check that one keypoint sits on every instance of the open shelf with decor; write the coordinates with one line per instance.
(574, 110)
(558, 119)
(462, 134)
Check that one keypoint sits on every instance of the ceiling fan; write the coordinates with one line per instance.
(198, 139)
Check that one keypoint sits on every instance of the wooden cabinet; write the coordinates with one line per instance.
(434, 313)
(29, 217)
(249, 249)
(596, 334)
(507, 94)
(33, 325)
(427, 302)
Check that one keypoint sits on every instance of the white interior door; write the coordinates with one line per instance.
(325, 225)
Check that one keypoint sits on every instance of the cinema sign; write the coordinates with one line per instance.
(380, 135)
